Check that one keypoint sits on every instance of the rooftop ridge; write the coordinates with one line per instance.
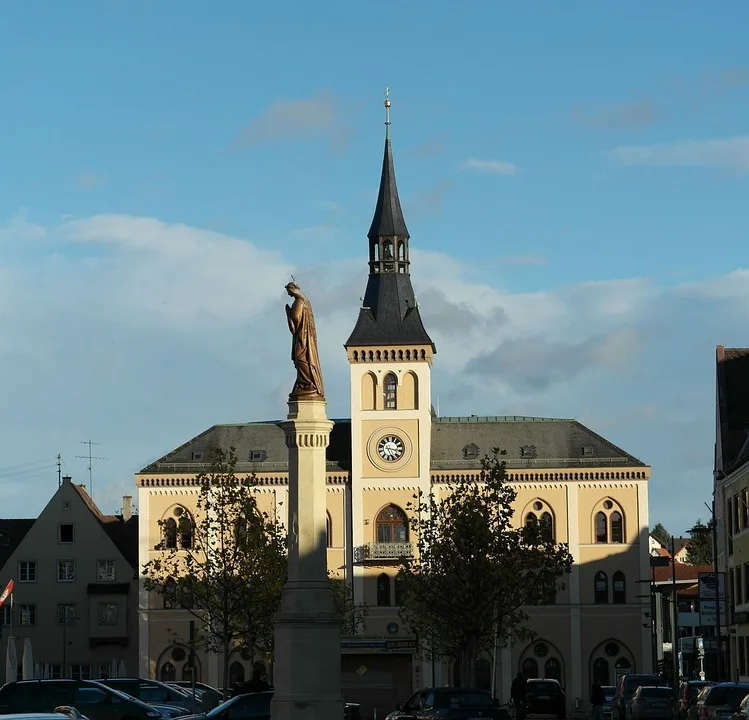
(496, 418)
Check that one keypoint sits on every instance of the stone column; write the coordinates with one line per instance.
(307, 667)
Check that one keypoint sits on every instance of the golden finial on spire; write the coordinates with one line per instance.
(387, 111)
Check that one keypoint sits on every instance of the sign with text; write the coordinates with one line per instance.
(706, 584)
(708, 588)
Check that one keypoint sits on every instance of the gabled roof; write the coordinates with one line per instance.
(457, 443)
(12, 532)
(732, 400)
(684, 573)
(123, 533)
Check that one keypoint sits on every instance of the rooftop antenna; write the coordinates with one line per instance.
(90, 459)
(59, 470)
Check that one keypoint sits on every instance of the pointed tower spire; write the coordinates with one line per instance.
(388, 217)
(389, 314)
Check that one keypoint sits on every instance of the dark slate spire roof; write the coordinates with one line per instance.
(388, 217)
(389, 314)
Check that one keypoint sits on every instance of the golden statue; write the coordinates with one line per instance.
(304, 354)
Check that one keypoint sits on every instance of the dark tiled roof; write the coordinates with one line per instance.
(732, 390)
(12, 532)
(389, 315)
(529, 442)
(264, 441)
(123, 533)
(388, 217)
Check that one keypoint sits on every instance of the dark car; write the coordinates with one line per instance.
(63, 712)
(545, 697)
(153, 691)
(687, 696)
(720, 701)
(255, 706)
(449, 704)
(209, 697)
(90, 698)
(625, 688)
(651, 703)
(742, 710)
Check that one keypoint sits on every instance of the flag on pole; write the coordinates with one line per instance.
(8, 591)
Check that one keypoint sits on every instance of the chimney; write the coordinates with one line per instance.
(66, 478)
(127, 507)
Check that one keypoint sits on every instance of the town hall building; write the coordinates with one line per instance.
(590, 493)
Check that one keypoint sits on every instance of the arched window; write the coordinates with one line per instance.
(622, 664)
(483, 674)
(387, 250)
(398, 594)
(390, 391)
(601, 671)
(553, 669)
(170, 533)
(530, 519)
(168, 672)
(401, 250)
(601, 588)
(328, 532)
(383, 590)
(619, 588)
(617, 527)
(547, 527)
(530, 668)
(185, 532)
(602, 534)
(391, 525)
(236, 673)
(187, 673)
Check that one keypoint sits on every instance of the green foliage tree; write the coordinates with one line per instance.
(660, 533)
(700, 547)
(474, 571)
(353, 614)
(226, 565)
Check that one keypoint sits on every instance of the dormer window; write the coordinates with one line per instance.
(471, 451)
(257, 455)
(587, 451)
(528, 451)
(197, 456)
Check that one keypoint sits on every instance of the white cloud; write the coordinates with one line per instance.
(140, 334)
(724, 152)
(497, 167)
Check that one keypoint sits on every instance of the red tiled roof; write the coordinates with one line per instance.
(684, 573)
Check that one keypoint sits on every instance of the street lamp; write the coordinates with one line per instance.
(713, 529)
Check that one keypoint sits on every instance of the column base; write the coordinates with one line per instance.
(307, 668)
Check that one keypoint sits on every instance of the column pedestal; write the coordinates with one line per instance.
(307, 667)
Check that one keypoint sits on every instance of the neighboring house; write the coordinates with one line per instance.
(655, 545)
(588, 492)
(731, 478)
(76, 580)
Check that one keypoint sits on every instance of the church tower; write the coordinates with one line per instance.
(390, 355)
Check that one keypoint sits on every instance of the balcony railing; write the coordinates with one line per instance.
(383, 551)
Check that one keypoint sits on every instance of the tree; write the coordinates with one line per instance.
(660, 533)
(700, 547)
(474, 571)
(226, 565)
(353, 614)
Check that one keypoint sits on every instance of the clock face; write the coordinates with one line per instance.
(390, 448)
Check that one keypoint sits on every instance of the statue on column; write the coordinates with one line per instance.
(304, 353)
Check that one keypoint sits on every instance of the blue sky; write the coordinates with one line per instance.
(574, 178)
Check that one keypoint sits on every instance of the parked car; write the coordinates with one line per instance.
(608, 694)
(625, 688)
(59, 713)
(687, 696)
(209, 696)
(153, 691)
(718, 702)
(742, 710)
(90, 698)
(169, 711)
(651, 703)
(255, 706)
(449, 704)
(545, 697)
